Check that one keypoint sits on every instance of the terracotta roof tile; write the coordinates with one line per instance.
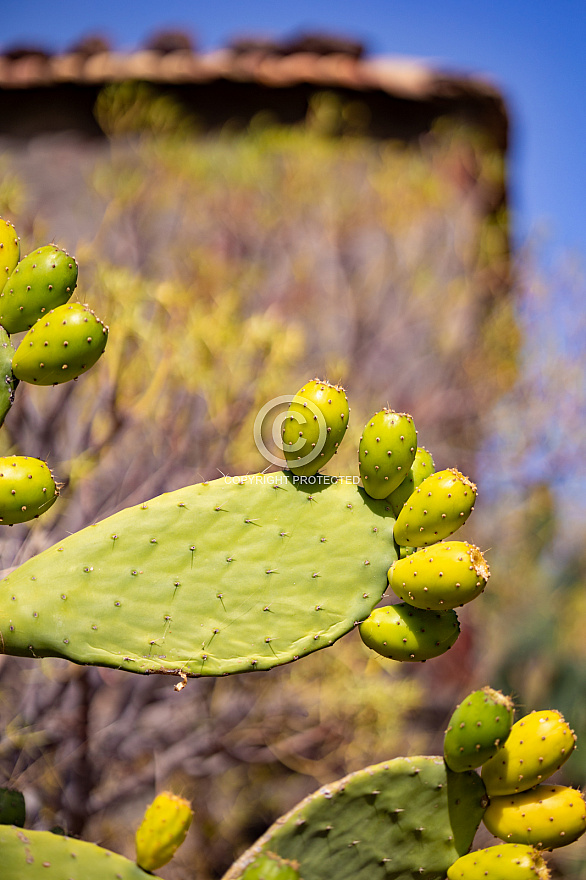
(397, 76)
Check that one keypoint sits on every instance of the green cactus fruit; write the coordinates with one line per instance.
(41, 855)
(270, 866)
(404, 819)
(536, 747)
(235, 575)
(421, 468)
(162, 831)
(440, 505)
(27, 489)
(314, 426)
(386, 452)
(546, 816)
(507, 861)
(9, 250)
(477, 729)
(7, 381)
(61, 346)
(401, 632)
(443, 576)
(42, 280)
(12, 808)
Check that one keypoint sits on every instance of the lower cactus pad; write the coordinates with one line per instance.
(235, 575)
(28, 855)
(405, 819)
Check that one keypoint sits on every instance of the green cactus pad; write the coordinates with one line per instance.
(315, 426)
(162, 831)
(270, 866)
(42, 280)
(12, 807)
(386, 452)
(27, 489)
(537, 746)
(546, 816)
(61, 346)
(421, 468)
(445, 575)
(507, 861)
(477, 729)
(41, 855)
(401, 632)
(9, 250)
(438, 507)
(239, 574)
(405, 819)
(7, 381)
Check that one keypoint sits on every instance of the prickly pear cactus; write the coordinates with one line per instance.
(12, 807)
(477, 729)
(546, 816)
(402, 632)
(438, 507)
(235, 575)
(163, 830)
(386, 452)
(315, 426)
(9, 250)
(7, 380)
(61, 346)
(445, 575)
(507, 861)
(537, 746)
(404, 819)
(41, 855)
(421, 468)
(27, 489)
(270, 866)
(42, 280)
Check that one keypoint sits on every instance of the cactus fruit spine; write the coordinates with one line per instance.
(314, 427)
(42, 280)
(507, 861)
(386, 452)
(443, 576)
(27, 489)
(401, 632)
(438, 507)
(60, 346)
(162, 831)
(9, 250)
(546, 816)
(536, 747)
(477, 728)
(404, 819)
(421, 468)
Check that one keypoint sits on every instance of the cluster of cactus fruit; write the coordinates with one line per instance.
(62, 340)
(185, 583)
(403, 819)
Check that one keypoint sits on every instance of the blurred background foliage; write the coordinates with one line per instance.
(231, 267)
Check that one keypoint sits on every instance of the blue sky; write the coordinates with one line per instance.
(532, 49)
